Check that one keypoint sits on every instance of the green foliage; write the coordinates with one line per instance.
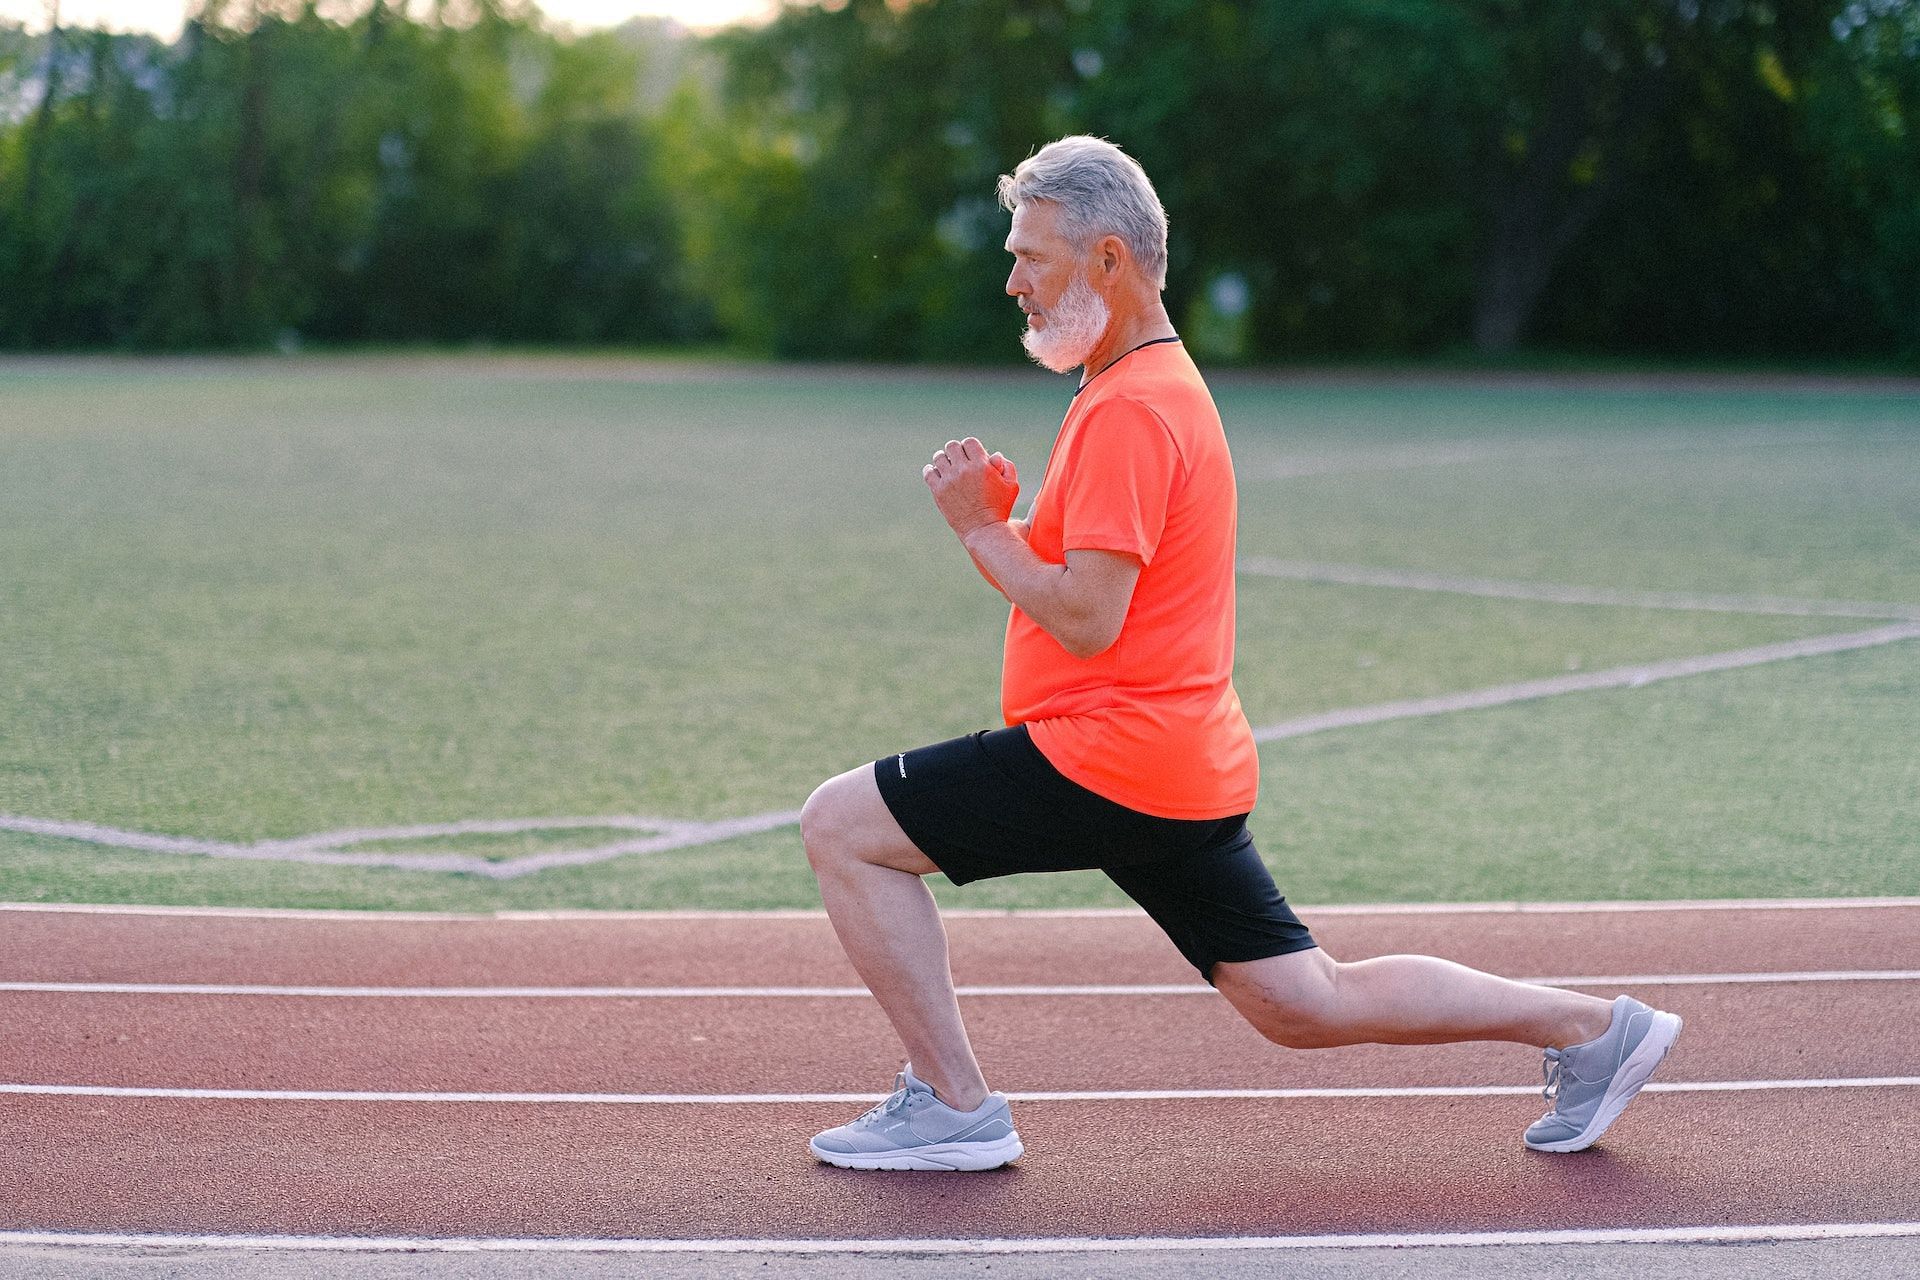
(1749, 199)
(1319, 149)
(386, 178)
(1863, 119)
(1379, 177)
(844, 174)
(1708, 177)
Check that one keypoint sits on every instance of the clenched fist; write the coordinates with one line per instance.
(971, 487)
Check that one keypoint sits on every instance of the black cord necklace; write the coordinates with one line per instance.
(1150, 342)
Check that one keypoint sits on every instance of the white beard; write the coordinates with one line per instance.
(1075, 326)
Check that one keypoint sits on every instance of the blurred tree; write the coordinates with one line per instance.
(1342, 176)
(1578, 86)
(588, 240)
(1657, 169)
(1314, 155)
(1386, 176)
(1862, 96)
(276, 173)
(38, 131)
(843, 179)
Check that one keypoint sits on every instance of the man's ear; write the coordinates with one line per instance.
(1110, 254)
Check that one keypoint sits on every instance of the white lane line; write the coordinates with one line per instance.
(1356, 575)
(1730, 979)
(1759, 1233)
(1091, 990)
(796, 1099)
(1631, 677)
(1603, 908)
(366, 916)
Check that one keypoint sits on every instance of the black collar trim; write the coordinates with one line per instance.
(1150, 342)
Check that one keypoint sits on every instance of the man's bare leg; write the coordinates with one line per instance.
(869, 874)
(1307, 1000)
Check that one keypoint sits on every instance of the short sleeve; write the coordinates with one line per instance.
(1120, 482)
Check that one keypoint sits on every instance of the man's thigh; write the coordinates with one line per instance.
(987, 805)
(845, 817)
(1219, 906)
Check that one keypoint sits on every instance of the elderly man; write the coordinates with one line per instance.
(1126, 748)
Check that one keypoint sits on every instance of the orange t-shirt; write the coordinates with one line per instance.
(1153, 723)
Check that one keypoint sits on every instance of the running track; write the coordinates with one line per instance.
(632, 1166)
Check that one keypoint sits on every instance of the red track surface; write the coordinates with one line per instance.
(1177, 1167)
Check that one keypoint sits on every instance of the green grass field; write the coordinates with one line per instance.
(245, 601)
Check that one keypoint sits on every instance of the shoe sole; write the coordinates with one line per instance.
(1627, 1082)
(940, 1157)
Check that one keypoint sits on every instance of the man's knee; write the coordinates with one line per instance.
(845, 824)
(822, 825)
(1288, 999)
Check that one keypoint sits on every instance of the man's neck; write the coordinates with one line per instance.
(1150, 324)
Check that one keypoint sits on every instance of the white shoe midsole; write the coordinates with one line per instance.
(954, 1156)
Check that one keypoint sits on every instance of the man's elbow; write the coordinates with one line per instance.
(1090, 638)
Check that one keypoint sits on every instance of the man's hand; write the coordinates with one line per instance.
(971, 487)
(1082, 603)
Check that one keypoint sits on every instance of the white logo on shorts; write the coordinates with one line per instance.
(902, 758)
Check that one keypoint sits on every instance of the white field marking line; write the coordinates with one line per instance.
(1763, 1233)
(851, 1099)
(347, 915)
(1631, 677)
(1092, 991)
(679, 835)
(332, 848)
(1354, 575)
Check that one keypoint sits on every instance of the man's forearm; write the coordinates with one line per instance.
(1019, 527)
(1045, 592)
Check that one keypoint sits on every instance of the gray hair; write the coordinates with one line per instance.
(1101, 190)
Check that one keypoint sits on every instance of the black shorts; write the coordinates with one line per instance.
(990, 804)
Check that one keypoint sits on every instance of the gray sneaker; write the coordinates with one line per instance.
(913, 1129)
(1591, 1084)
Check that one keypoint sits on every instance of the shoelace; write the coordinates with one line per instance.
(894, 1103)
(1550, 1076)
